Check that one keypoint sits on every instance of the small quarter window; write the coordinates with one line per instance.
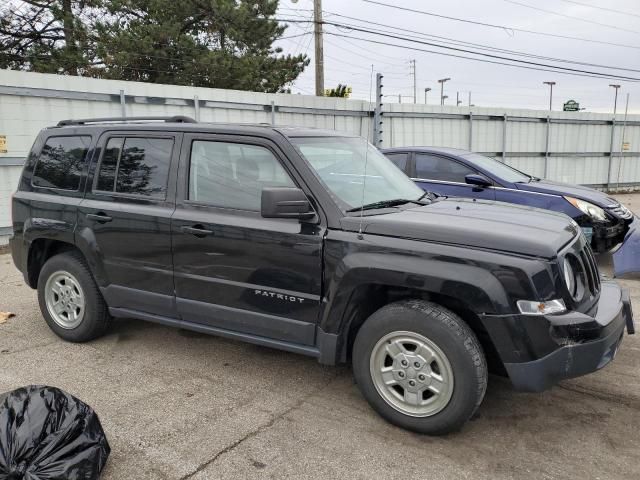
(399, 159)
(61, 162)
(109, 164)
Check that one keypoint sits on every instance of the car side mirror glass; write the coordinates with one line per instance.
(477, 180)
(285, 202)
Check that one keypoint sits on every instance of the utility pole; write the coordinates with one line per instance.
(444, 97)
(441, 82)
(469, 98)
(458, 101)
(615, 100)
(399, 98)
(551, 84)
(319, 60)
(412, 64)
(426, 90)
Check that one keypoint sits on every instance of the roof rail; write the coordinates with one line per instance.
(84, 121)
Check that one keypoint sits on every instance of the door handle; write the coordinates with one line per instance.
(99, 217)
(197, 230)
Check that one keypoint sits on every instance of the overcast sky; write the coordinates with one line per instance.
(349, 61)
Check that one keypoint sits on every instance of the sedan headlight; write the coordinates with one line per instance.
(590, 209)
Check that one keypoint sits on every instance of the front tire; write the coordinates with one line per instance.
(420, 367)
(70, 300)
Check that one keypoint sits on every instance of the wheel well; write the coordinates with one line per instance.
(41, 250)
(366, 299)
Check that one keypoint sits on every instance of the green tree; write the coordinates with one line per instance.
(49, 36)
(341, 91)
(210, 43)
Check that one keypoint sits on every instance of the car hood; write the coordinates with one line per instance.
(558, 188)
(474, 223)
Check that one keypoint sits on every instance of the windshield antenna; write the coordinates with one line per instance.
(366, 156)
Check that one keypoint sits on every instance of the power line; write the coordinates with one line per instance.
(602, 8)
(502, 27)
(536, 64)
(558, 69)
(593, 22)
(485, 47)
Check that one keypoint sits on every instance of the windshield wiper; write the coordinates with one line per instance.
(386, 204)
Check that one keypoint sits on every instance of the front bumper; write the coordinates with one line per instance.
(606, 235)
(585, 344)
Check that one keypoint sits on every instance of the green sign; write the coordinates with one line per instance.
(571, 106)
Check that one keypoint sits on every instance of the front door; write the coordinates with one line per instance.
(126, 218)
(235, 270)
(446, 176)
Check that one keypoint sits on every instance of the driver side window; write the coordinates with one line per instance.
(435, 167)
(232, 175)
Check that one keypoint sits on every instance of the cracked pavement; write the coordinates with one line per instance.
(180, 405)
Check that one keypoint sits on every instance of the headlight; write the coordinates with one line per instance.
(569, 276)
(589, 208)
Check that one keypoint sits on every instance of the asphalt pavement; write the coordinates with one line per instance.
(180, 405)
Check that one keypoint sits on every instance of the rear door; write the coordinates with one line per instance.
(446, 176)
(235, 270)
(126, 218)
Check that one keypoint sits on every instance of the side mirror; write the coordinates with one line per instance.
(285, 202)
(478, 180)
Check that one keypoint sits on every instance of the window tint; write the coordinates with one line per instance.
(233, 175)
(143, 168)
(399, 159)
(60, 163)
(434, 167)
(109, 163)
(139, 166)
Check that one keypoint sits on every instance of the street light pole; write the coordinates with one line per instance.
(441, 82)
(426, 90)
(551, 84)
(615, 100)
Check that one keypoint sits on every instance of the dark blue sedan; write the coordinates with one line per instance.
(459, 173)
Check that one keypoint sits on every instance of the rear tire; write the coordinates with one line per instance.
(70, 300)
(420, 367)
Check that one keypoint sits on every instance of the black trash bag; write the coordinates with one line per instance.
(47, 434)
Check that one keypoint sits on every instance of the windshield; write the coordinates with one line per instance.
(340, 164)
(499, 169)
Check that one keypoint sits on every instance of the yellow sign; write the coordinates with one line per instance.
(3, 144)
(626, 146)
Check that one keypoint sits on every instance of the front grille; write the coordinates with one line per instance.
(620, 211)
(581, 257)
(590, 269)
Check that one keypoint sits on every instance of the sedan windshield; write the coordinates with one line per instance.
(356, 172)
(499, 169)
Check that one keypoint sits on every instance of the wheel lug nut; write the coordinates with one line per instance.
(421, 377)
(412, 383)
(416, 364)
(401, 374)
(404, 363)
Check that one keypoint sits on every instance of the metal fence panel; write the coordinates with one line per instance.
(573, 147)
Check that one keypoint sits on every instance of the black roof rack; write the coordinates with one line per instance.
(84, 121)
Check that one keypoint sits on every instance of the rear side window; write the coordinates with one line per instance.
(435, 167)
(136, 165)
(61, 162)
(399, 159)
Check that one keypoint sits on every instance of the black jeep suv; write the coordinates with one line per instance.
(311, 242)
